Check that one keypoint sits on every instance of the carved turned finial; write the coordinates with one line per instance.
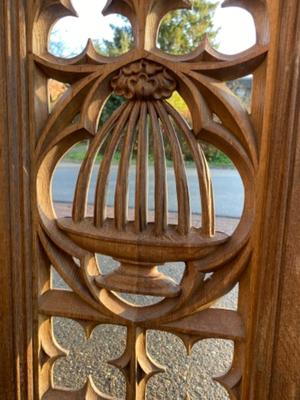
(145, 17)
(144, 80)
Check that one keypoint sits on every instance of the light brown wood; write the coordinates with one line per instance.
(274, 319)
(141, 193)
(261, 255)
(17, 296)
(100, 202)
(122, 191)
(146, 79)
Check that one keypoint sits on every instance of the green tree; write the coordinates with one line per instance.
(111, 105)
(121, 43)
(181, 31)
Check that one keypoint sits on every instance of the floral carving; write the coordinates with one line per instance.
(145, 77)
(144, 80)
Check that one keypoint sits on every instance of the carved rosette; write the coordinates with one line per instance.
(146, 78)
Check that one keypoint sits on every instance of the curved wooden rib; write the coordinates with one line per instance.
(59, 249)
(88, 392)
(184, 211)
(207, 203)
(64, 113)
(141, 193)
(45, 14)
(231, 382)
(101, 187)
(233, 115)
(206, 96)
(205, 55)
(161, 197)
(235, 67)
(94, 103)
(223, 282)
(121, 193)
(50, 352)
(81, 191)
(67, 269)
(62, 72)
(74, 129)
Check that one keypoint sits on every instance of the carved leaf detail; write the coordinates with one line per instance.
(144, 80)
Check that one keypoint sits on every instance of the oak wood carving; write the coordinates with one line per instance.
(146, 78)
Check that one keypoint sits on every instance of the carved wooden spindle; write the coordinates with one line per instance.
(206, 193)
(101, 188)
(82, 186)
(141, 193)
(160, 176)
(184, 212)
(121, 194)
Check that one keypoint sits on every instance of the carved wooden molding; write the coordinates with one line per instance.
(146, 77)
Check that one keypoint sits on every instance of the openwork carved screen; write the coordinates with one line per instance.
(140, 241)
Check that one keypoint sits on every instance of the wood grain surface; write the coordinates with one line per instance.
(261, 254)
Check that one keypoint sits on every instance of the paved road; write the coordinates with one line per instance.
(228, 188)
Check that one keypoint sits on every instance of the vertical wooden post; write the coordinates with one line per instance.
(273, 350)
(15, 211)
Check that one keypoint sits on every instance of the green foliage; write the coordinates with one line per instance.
(121, 43)
(181, 31)
(110, 106)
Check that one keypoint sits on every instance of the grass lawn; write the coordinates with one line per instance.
(77, 154)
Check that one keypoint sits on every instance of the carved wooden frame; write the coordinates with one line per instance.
(247, 139)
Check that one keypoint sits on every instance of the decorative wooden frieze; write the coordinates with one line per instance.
(146, 78)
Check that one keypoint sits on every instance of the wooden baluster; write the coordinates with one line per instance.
(161, 197)
(206, 193)
(184, 211)
(141, 191)
(102, 182)
(84, 177)
(121, 193)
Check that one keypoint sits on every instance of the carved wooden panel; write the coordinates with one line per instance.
(146, 78)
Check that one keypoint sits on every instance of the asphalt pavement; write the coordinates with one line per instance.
(227, 184)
